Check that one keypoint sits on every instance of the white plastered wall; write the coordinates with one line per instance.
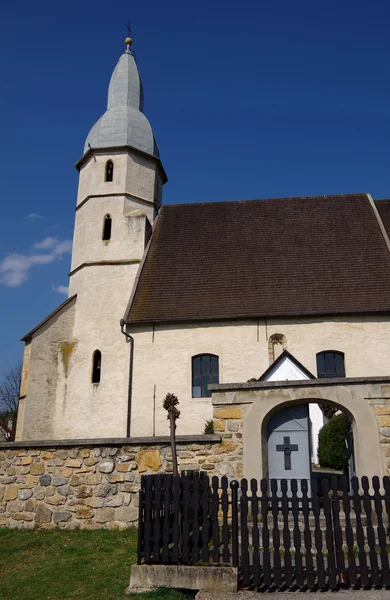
(162, 359)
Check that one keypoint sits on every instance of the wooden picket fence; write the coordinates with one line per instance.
(278, 533)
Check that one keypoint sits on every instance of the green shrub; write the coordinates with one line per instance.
(332, 449)
(209, 426)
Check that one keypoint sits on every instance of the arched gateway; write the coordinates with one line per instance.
(254, 404)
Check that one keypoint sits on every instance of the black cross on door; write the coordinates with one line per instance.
(287, 448)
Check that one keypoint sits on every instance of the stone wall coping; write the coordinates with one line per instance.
(262, 385)
(132, 441)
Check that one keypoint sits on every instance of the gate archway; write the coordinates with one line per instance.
(264, 402)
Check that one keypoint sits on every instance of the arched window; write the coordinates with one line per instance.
(109, 175)
(205, 370)
(96, 366)
(330, 364)
(107, 222)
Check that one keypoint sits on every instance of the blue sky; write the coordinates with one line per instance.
(250, 99)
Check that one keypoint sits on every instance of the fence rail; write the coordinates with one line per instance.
(278, 533)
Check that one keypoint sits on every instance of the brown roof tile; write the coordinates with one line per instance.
(253, 258)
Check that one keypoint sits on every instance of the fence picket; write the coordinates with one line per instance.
(375, 579)
(267, 578)
(167, 486)
(381, 531)
(307, 535)
(357, 500)
(277, 570)
(205, 521)
(157, 501)
(286, 535)
(255, 533)
(386, 487)
(244, 533)
(318, 534)
(214, 517)
(225, 524)
(338, 536)
(329, 535)
(296, 533)
(176, 551)
(195, 517)
(351, 572)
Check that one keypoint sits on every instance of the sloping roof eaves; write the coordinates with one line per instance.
(52, 314)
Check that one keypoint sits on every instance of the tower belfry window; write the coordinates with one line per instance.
(107, 228)
(109, 175)
(96, 366)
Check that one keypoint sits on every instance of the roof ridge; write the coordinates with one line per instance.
(214, 202)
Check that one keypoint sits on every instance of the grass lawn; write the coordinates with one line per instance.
(70, 565)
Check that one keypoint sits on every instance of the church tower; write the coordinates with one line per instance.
(119, 195)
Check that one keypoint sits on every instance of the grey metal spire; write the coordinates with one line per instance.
(123, 123)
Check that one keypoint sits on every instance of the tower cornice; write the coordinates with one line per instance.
(92, 151)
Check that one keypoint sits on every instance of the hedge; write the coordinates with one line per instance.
(332, 448)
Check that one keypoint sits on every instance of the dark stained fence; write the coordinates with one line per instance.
(319, 534)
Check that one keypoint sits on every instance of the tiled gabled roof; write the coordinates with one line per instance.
(263, 258)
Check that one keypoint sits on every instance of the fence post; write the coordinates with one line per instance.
(234, 488)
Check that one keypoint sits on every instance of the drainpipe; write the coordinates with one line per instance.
(129, 337)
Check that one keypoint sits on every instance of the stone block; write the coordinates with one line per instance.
(50, 490)
(25, 494)
(225, 447)
(115, 501)
(65, 490)
(22, 516)
(186, 454)
(105, 515)
(74, 480)
(102, 490)
(214, 579)
(84, 513)
(91, 461)
(115, 478)
(43, 514)
(10, 492)
(382, 410)
(84, 453)
(93, 478)
(208, 467)
(123, 467)
(228, 412)
(55, 500)
(27, 460)
(45, 480)
(57, 481)
(94, 502)
(30, 505)
(9, 479)
(219, 425)
(149, 459)
(233, 426)
(84, 492)
(61, 516)
(37, 468)
(73, 463)
(47, 455)
(39, 493)
(106, 466)
(127, 514)
(15, 506)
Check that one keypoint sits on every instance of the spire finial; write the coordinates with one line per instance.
(128, 40)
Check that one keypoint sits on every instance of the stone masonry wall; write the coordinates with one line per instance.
(95, 485)
(381, 408)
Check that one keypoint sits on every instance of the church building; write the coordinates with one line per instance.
(208, 299)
